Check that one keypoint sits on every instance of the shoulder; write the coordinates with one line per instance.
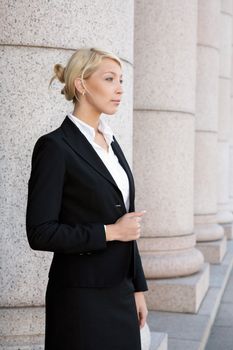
(52, 137)
(49, 145)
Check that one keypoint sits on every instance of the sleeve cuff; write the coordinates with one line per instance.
(105, 232)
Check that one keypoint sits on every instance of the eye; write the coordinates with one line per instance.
(111, 78)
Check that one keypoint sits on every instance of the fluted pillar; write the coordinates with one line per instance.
(33, 37)
(225, 216)
(210, 235)
(164, 122)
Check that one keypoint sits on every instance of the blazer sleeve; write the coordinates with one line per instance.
(139, 281)
(45, 190)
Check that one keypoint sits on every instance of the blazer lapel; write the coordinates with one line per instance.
(122, 160)
(74, 137)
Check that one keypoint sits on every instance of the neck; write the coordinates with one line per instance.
(91, 117)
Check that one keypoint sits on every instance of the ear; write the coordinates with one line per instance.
(78, 85)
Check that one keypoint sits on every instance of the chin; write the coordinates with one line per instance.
(110, 111)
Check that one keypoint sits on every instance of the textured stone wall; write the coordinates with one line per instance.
(34, 35)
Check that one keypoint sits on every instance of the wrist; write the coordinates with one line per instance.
(139, 295)
(110, 232)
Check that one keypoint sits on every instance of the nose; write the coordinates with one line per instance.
(120, 88)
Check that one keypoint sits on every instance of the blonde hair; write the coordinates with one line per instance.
(81, 64)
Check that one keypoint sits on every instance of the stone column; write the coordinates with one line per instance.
(231, 137)
(34, 36)
(225, 216)
(210, 236)
(163, 158)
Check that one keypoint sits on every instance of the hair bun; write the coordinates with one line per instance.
(59, 70)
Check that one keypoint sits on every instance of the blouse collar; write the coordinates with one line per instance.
(89, 131)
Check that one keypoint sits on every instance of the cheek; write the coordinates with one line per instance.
(103, 90)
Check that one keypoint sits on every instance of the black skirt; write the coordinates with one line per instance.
(83, 318)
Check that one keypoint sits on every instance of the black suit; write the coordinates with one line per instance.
(71, 195)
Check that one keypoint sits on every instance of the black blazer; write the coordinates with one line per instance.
(71, 195)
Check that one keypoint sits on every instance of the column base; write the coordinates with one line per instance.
(173, 263)
(181, 294)
(228, 230)
(213, 251)
(30, 341)
(208, 232)
(22, 328)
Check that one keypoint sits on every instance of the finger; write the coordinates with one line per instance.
(134, 213)
(137, 218)
(142, 319)
(142, 323)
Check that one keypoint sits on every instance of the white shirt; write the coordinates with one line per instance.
(109, 158)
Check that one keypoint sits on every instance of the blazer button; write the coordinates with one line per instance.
(80, 253)
(88, 253)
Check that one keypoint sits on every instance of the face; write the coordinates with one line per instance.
(103, 89)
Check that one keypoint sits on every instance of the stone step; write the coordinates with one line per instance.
(158, 341)
(189, 330)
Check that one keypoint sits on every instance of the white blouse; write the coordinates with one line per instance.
(109, 158)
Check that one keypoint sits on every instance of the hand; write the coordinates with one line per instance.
(141, 308)
(126, 228)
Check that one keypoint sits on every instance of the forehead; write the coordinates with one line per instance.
(109, 65)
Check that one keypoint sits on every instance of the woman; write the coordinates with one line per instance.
(81, 207)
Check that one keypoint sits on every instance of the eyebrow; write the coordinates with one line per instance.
(111, 72)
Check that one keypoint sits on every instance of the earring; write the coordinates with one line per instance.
(83, 93)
